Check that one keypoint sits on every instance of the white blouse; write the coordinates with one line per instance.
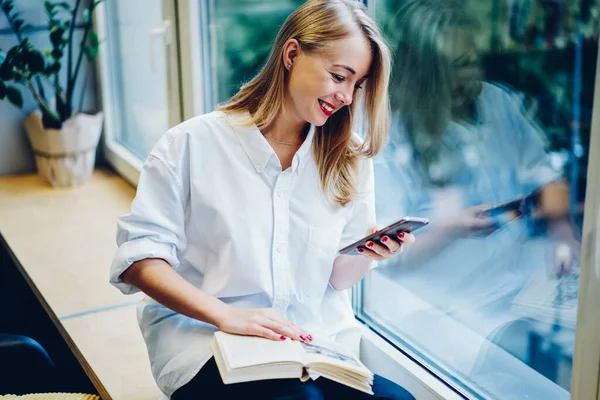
(214, 203)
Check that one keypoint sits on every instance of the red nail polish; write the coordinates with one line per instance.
(302, 337)
(360, 250)
(310, 338)
(401, 235)
(282, 337)
(369, 244)
(384, 239)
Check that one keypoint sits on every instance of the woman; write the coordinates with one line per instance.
(239, 213)
(459, 145)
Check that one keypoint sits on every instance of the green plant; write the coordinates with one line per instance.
(24, 65)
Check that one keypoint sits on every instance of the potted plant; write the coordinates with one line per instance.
(64, 140)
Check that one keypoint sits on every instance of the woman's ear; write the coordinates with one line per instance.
(291, 49)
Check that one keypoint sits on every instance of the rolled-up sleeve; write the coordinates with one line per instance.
(535, 168)
(155, 227)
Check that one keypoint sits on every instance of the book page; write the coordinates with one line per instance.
(326, 351)
(245, 351)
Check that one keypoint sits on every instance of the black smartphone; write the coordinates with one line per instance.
(406, 224)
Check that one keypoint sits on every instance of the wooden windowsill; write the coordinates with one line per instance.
(63, 241)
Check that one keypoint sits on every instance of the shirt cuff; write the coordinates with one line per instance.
(374, 264)
(135, 250)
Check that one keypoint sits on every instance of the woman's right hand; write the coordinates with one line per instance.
(263, 322)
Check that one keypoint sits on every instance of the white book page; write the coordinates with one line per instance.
(245, 351)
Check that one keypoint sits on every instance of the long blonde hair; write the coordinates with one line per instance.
(316, 24)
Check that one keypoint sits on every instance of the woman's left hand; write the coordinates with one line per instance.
(390, 248)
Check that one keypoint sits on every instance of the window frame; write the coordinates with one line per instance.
(125, 162)
(585, 379)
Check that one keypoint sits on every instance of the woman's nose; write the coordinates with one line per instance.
(345, 97)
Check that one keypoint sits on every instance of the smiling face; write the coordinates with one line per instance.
(321, 83)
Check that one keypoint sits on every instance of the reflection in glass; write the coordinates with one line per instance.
(485, 123)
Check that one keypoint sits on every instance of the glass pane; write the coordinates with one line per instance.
(242, 33)
(138, 68)
(492, 104)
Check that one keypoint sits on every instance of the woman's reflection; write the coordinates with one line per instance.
(459, 147)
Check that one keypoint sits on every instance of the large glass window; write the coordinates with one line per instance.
(241, 36)
(492, 111)
(140, 72)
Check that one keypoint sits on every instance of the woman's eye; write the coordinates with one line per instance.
(338, 78)
(358, 86)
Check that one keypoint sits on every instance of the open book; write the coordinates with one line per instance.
(248, 358)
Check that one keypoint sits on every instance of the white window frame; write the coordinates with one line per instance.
(126, 163)
(585, 381)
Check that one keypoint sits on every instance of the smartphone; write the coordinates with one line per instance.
(406, 224)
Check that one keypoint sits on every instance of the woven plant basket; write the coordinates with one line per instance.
(51, 396)
(65, 157)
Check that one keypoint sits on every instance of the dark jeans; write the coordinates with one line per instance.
(207, 384)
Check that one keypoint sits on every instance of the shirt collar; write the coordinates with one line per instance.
(258, 149)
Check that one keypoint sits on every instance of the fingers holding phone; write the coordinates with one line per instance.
(387, 247)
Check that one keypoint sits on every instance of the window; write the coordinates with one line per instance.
(241, 35)
(492, 103)
(138, 63)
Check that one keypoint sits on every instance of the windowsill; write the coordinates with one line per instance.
(385, 360)
(62, 241)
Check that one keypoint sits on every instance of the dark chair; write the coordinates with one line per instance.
(26, 366)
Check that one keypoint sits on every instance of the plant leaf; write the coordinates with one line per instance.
(86, 16)
(64, 5)
(2, 90)
(18, 24)
(96, 3)
(7, 6)
(6, 68)
(34, 60)
(6, 72)
(57, 36)
(49, 7)
(93, 38)
(57, 54)
(52, 68)
(14, 96)
(91, 53)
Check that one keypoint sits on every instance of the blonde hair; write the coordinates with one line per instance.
(316, 24)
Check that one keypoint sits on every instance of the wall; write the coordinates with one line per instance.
(16, 156)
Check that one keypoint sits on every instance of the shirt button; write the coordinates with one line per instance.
(278, 248)
(259, 166)
(279, 193)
